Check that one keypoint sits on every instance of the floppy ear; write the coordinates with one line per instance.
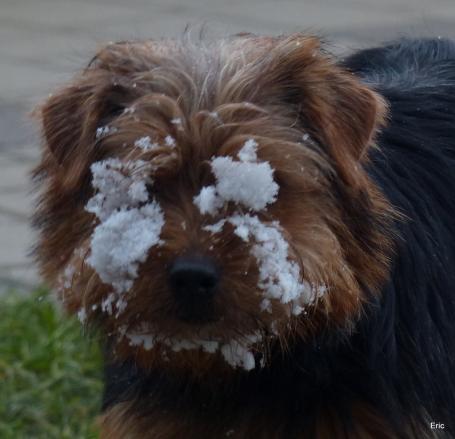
(71, 116)
(337, 110)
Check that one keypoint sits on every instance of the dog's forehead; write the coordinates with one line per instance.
(240, 45)
(181, 103)
(207, 65)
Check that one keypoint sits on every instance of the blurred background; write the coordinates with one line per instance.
(43, 42)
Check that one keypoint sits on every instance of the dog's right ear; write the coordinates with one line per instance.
(70, 118)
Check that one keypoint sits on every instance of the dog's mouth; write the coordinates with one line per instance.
(198, 317)
(239, 351)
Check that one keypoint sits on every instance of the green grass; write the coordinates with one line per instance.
(50, 375)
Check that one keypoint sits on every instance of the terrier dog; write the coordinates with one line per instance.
(263, 234)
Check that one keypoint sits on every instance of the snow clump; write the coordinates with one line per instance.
(130, 223)
(235, 353)
(104, 131)
(145, 144)
(250, 183)
(245, 182)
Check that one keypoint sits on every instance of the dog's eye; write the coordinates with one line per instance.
(149, 188)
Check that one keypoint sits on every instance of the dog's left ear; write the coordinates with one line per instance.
(336, 109)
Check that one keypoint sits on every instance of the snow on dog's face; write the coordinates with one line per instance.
(232, 212)
(195, 214)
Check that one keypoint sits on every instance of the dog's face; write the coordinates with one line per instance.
(206, 204)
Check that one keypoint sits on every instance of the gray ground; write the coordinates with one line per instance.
(42, 42)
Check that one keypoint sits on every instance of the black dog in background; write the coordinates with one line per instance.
(408, 339)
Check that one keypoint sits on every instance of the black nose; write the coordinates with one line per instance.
(194, 279)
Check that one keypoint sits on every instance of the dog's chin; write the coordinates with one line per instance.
(198, 352)
(197, 363)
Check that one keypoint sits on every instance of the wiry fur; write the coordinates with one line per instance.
(339, 370)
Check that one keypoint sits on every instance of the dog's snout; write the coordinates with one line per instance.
(194, 278)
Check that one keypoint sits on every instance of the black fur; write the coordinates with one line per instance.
(401, 361)
(415, 327)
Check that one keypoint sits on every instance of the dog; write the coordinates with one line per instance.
(262, 233)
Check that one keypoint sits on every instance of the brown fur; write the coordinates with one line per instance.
(120, 422)
(271, 89)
